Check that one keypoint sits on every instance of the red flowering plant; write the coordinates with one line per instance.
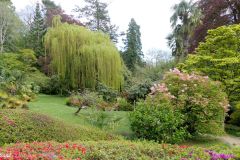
(42, 150)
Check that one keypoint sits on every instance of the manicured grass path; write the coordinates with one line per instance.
(54, 106)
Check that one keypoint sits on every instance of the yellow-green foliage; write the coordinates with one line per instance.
(81, 57)
(219, 58)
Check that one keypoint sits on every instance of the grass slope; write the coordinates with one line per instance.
(26, 126)
(54, 106)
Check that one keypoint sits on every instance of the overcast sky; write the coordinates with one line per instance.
(152, 15)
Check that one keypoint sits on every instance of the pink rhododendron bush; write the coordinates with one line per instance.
(200, 99)
(180, 106)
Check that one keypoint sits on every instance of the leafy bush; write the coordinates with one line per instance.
(53, 87)
(108, 94)
(14, 91)
(219, 58)
(19, 78)
(158, 121)
(40, 80)
(28, 56)
(124, 105)
(117, 150)
(26, 126)
(10, 102)
(137, 89)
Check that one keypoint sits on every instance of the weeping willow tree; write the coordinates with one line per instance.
(81, 57)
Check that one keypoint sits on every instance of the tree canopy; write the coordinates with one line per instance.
(216, 13)
(219, 58)
(51, 10)
(98, 18)
(81, 57)
(185, 18)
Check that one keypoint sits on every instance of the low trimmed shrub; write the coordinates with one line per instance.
(117, 150)
(26, 126)
(42, 150)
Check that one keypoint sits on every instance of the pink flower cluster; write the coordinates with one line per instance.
(187, 77)
(161, 88)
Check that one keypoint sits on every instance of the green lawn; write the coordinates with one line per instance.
(54, 106)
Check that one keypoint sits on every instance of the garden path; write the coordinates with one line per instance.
(231, 140)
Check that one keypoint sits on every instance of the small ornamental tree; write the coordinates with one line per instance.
(81, 58)
(219, 58)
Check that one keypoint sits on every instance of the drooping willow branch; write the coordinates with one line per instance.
(81, 57)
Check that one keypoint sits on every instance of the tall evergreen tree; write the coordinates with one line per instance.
(98, 18)
(133, 46)
(37, 31)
